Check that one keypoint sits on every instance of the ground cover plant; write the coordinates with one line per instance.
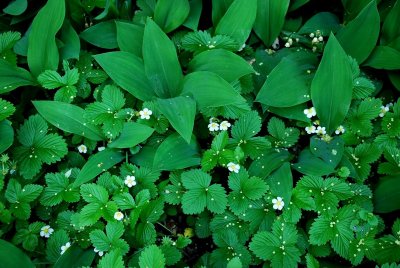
(189, 133)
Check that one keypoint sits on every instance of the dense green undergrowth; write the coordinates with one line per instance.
(189, 133)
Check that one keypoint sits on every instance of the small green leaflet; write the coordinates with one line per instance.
(6, 134)
(360, 117)
(217, 155)
(201, 193)
(7, 42)
(37, 147)
(6, 109)
(152, 256)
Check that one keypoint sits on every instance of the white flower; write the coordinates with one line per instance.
(65, 247)
(278, 203)
(145, 113)
(339, 130)
(287, 44)
(384, 110)
(242, 47)
(312, 35)
(233, 167)
(275, 44)
(213, 126)
(321, 130)
(98, 252)
(82, 149)
(118, 216)
(315, 40)
(311, 129)
(224, 125)
(290, 41)
(321, 38)
(310, 112)
(46, 231)
(102, 148)
(130, 181)
(68, 173)
(314, 49)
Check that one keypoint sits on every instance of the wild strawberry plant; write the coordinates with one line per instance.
(188, 133)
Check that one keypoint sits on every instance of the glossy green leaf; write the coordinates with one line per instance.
(267, 163)
(6, 134)
(161, 61)
(13, 257)
(270, 19)
(224, 63)
(12, 77)
(16, 7)
(175, 153)
(75, 257)
(353, 8)
(210, 90)
(219, 7)
(180, 112)
(287, 85)
(390, 27)
(332, 86)
(103, 35)
(132, 134)
(386, 195)
(130, 37)
(127, 71)
(68, 118)
(309, 164)
(238, 20)
(170, 14)
(326, 22)
(42, 49)
(384, 57)
(364, 29)
(193, 19)
(71, 47)
(98, 163)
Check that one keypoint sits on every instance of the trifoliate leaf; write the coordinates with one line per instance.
(278, 246)
(281, 136)
(51, 79)
(16, 194)
(58, 189)
(360, 159)
(38, 147)
(110, 240)
(152, 256)
(201, 194)
(392, 167)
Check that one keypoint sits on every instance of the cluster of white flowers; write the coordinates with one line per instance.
(316, 128)
(130, 181)
(233, 167)
(118, 216)
(145, 113)
(214, 126)
(46, 231)
(316, 38)
(65, 247)
(339, 130)
(278, 203)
